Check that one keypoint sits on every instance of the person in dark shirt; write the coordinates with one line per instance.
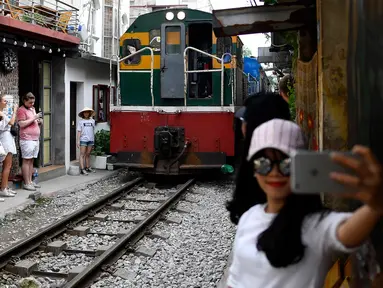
(260, 108)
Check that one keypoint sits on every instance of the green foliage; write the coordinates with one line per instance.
(291, 38)
(292, 97)
(101, 143)
(246, 51)
(270, 2)
(39, 19)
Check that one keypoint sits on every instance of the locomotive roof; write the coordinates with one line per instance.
(153, 20)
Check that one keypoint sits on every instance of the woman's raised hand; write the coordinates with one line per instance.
(367, 179)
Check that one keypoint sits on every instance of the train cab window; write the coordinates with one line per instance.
(155, 39)
(173, 40)
(224, 45)
(131, 46)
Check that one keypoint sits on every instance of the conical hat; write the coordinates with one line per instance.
(92, 113)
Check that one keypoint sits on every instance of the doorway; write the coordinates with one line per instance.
(73, 117)
(200, 37)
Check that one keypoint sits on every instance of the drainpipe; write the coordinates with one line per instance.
(118, 27)
(118, 53)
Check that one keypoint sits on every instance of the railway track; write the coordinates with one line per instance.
(134, 208)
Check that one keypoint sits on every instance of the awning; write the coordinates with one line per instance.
(262, 19)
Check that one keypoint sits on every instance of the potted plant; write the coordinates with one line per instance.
(99, 155)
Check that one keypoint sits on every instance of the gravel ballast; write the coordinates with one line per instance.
(45, 211)
(194, 255)
(112, 227)
(90, 242)
(62, 263)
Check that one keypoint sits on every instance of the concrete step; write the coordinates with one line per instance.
(51, 173)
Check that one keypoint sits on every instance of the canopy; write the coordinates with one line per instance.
(252, 67)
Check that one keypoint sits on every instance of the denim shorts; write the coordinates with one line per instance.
(86, 143)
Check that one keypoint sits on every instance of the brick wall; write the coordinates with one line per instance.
(9, 84)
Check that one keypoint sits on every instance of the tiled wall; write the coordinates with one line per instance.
(9, 85)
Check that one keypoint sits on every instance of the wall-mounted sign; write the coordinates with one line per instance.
(8, 60)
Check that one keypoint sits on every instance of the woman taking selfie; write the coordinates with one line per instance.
(287, 240)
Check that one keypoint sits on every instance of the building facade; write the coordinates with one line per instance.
(34, 44)
(87, 79)
(60, 52)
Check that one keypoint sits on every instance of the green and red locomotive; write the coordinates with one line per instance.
(179, 89)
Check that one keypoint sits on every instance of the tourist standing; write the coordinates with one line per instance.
(29, 123)
(85, 138)
(8, 142)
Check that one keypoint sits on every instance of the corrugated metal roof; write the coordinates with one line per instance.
(262, 19)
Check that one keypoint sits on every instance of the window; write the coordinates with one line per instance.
(131, 46)
(110, 24)
(154, 36)
(101, 101)
(224, 45)
(173, 40)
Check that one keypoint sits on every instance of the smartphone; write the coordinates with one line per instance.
(310, 173)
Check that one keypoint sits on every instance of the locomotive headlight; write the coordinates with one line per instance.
(181, 15)
(169, 16)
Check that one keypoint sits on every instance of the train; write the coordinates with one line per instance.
(179, 87)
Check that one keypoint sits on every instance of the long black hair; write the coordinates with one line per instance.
(281, 241)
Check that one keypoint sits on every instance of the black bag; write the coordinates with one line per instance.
(15, 129)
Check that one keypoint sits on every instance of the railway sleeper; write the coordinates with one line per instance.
(158, 234)
(56, 247)
(183, 210)
(172, 220)
(90, 253)
(129, 198)
(99, 217)
(158, 199)
(117, 206)
(136, 219)
(145, 251)
(193, 201)
(79, 231)
(125, 274)
(140, 209)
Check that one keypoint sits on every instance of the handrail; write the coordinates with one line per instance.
(140, 71)
(110, 81)
(222, 70)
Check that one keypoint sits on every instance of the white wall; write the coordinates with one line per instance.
(98, 19)
(86, 74)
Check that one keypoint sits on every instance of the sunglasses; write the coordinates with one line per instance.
(263, 166)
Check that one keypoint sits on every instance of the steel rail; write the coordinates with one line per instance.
(25, 246)
(86, 277)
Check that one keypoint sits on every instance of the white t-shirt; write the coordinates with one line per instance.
(4, 124)
(86, 127)
(251, 269)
